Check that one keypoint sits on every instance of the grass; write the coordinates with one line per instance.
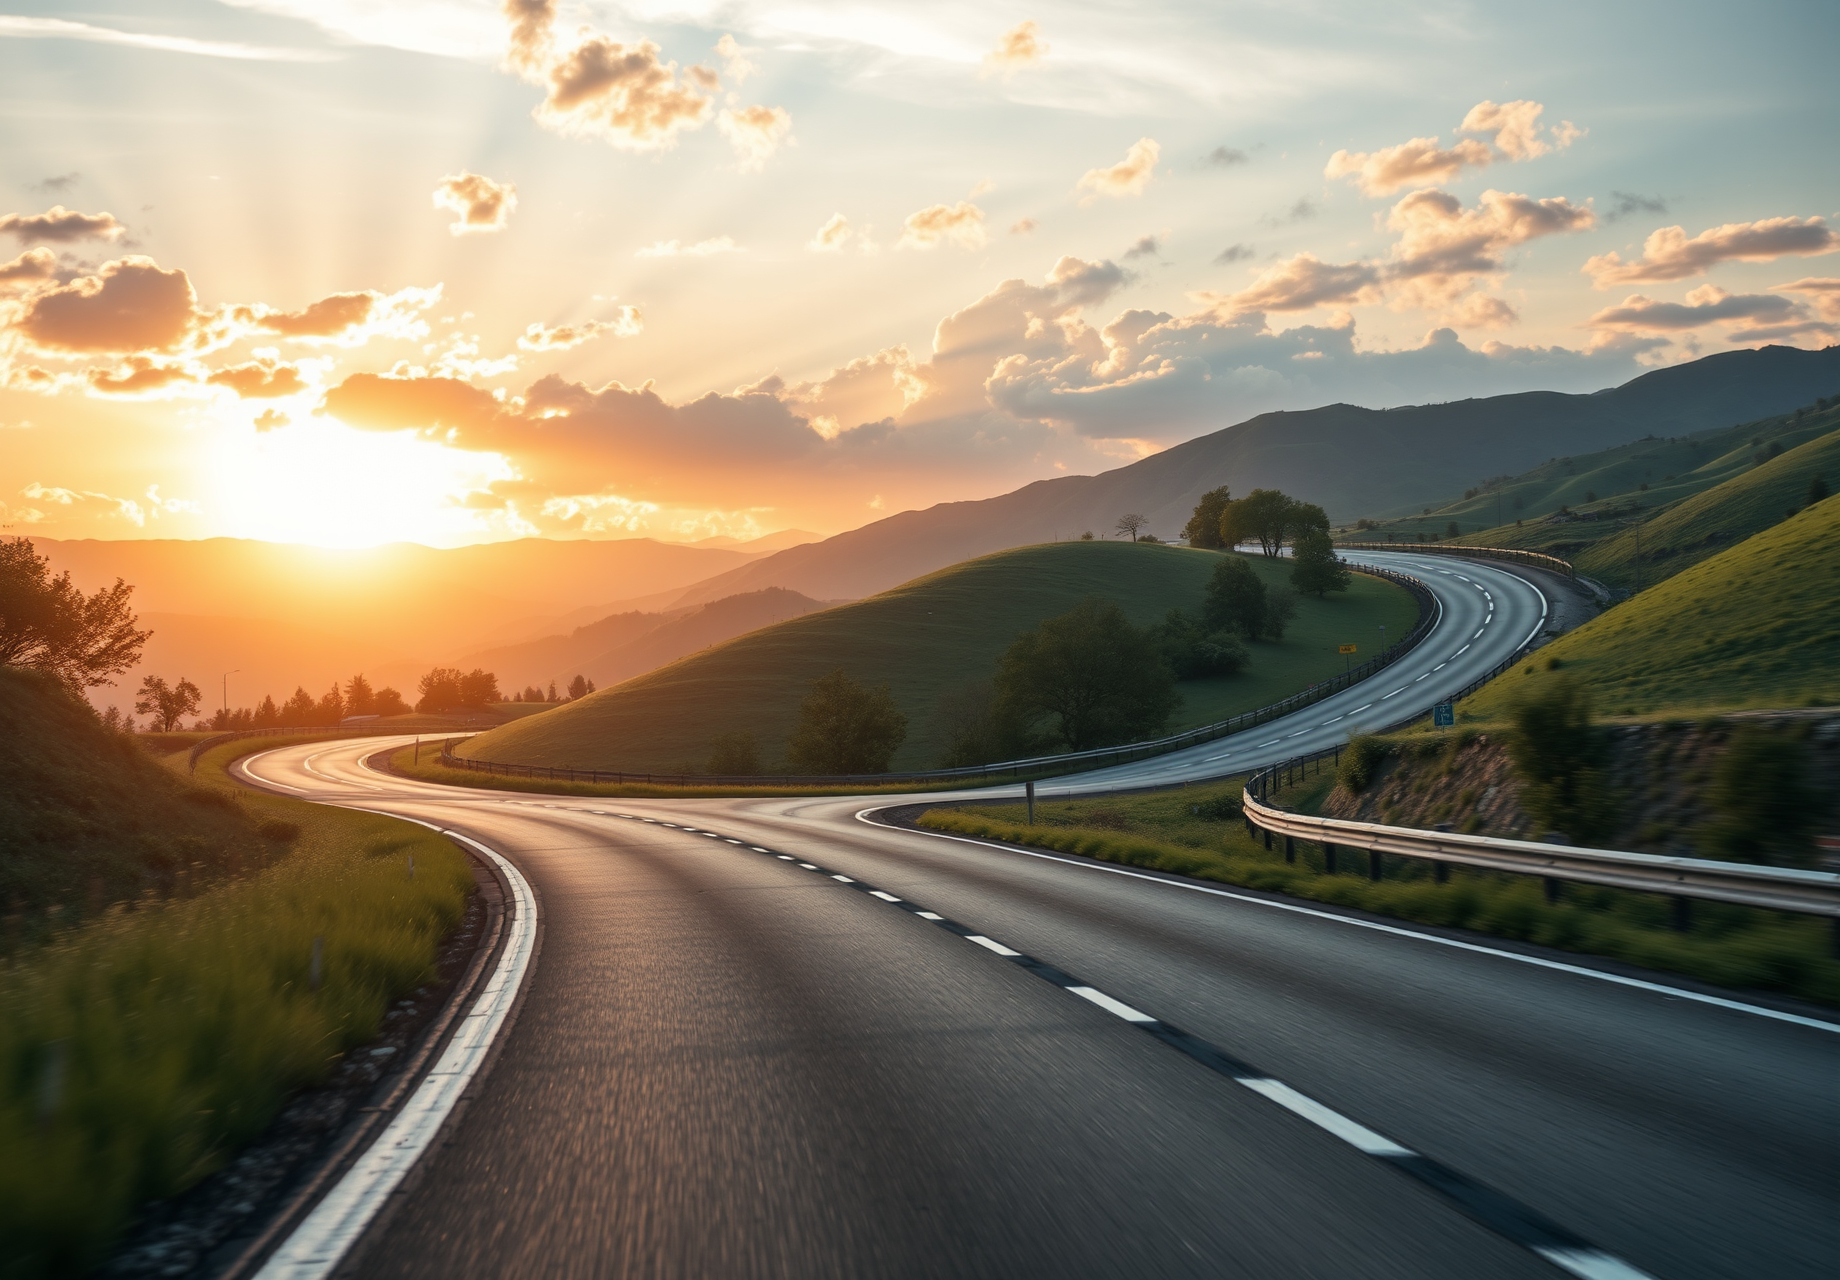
(139, 1050)
(1641, 479)
(1715, 520)
(1729, 946)
(1754, 626)
(924, 638)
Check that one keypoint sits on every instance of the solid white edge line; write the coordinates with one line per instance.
(1105, 1002)
(1592, 1264)
(1327, 1119)
(315, 1247)
(1537, 962)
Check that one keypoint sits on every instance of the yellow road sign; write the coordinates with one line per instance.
(1347, 648)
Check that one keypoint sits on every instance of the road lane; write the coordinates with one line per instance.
(729, 1065)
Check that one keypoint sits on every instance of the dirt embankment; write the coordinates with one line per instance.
(1659, 775)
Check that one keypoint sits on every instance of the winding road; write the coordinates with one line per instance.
(776, 1037)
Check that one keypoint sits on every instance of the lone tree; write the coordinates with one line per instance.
(1315, 568)
(1131, 523)
(1086, 679)
(846, 728)
(1817, 490)
(1203, 528)
(49, 625)
(167, 704)
(1235, 600)
(360, 698)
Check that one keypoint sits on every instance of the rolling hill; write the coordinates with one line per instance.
(924, 638)
(1753, 626)
(1353, 461)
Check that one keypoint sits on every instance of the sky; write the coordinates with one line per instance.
(353, 271)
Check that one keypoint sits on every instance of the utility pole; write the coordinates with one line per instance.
(227, 676)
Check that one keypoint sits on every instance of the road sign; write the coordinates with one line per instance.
(1347, 648)
(1443, 715)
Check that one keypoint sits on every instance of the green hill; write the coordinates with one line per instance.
(925, 637)
(88, 818)
(1567, 504)
(1754, 626)
(1721, 517)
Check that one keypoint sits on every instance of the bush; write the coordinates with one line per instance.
(1221, 809)
(1361, 762)
(1762, 799)
(1557, 753)
(845, 728)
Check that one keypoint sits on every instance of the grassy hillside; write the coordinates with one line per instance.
(1568, 504)
(88, 818)
(1754, 626)
(923, 638)
(1721, 517)
(713, 623)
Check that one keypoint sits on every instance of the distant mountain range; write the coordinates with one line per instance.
(1354, 462)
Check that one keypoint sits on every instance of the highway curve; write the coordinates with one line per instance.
(748, 1048)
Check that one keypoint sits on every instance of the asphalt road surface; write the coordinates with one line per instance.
(731, 1062)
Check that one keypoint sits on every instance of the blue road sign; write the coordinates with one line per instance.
(1443, 715)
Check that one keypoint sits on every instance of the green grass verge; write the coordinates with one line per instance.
(138, 1051)
(1754, 626)
(1730, 946)
(924, 638)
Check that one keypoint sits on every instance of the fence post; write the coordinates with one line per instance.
(1290, 849)
(1374, 867)
(1328, 859)
(1267, 831)
(1029, 790)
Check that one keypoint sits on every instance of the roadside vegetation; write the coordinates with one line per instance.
(932, 638)
(1197, 831)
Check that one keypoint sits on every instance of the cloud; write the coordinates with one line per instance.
(58, 225)
(59, 29)
(1704, 305)
(832, 236)
(1128, 177)
(1021, 46)
(1824, 291)
(1233, 253)
(1145, 247)
(962, 224)
(1420, 161)
(263, 379)
(140, 377)
(30, 267)
(755, 133)
(1516, 128)
(478, 203)
(734, 61)
(129, 305)
(58, 182)
(271, 419)
(1443, 246)
(1302, 211)
(1628, 203)
(1226, 157)
(137, 513)
(349, 319)
(1299, 284)
(1481, 311)
(701, 249)
(1668, 254)
(536, 337)
(1022, 227)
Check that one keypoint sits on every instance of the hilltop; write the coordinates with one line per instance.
(1354, 462)
(1753, 626)
(924, 638)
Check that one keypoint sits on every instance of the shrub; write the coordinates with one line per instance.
(1762, 799)
(1360, 762)
(1556, 752)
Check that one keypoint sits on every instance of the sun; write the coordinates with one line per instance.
(318, 482)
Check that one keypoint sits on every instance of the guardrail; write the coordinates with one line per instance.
(1815, 893)
(1537, 559)
(1014, 770)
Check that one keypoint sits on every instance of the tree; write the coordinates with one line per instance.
(1451, 530)
(1088, 678)
(1131, 523)
(734, 755)
(49, 625)
(1315, 568)
(447, 689)
(268, 715)
(1087, 536)
(578, 688)
(167, 704)
(552, 693)
(1280, 608)
(297, 711)
(360, 699)
(331, 707)
(1194, 653)
(479, 688)
(388, 702)
(1271, 519)
(1203, 528)
(1235, 600)
(846, 728)
(1817, 490)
